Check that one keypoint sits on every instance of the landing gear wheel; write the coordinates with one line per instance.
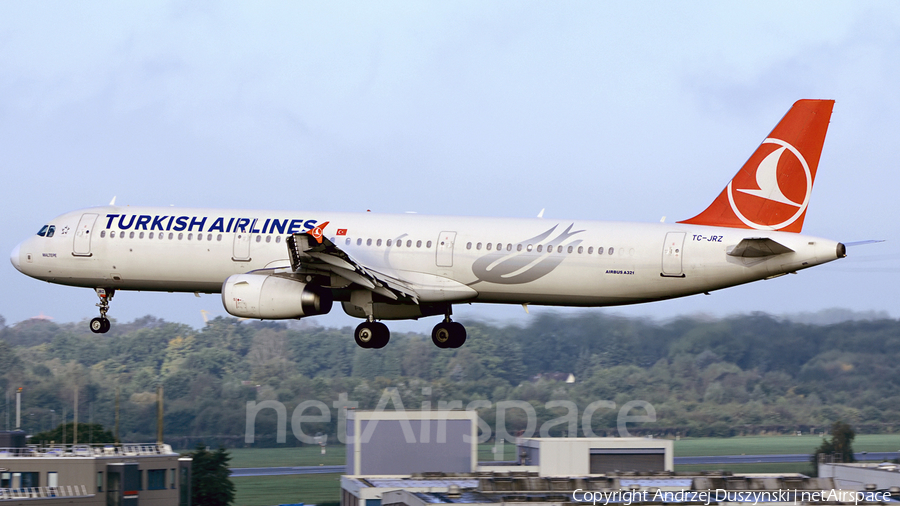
(448, 335)
(372, 335)
(100, 325)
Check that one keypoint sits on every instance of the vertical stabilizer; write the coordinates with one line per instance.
(773, 188)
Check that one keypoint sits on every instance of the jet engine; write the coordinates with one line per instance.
(273, 297)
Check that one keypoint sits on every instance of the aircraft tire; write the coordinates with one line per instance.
(382, 335)
(106, 326)
(97, 325)
(458, 334)
(448, 335)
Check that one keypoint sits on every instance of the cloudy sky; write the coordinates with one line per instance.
(592, 110)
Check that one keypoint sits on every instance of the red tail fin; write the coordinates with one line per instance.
(772, 190)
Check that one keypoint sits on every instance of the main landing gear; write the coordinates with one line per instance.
(447, 334)
(372, 334)
(101, 325)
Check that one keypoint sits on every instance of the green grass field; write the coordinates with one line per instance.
(271, 490)
(287, 457)
(767, 445)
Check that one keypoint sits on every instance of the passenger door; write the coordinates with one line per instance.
(82, 245)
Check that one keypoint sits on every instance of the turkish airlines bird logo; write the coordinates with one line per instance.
(782, 178)
(317, 232)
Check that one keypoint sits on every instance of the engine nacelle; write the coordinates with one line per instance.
(273, 298)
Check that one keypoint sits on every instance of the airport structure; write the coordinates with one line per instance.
(862, 476)
(425, 458)
(110, 475)
(424, 452)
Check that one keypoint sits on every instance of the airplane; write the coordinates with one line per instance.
(287, 265)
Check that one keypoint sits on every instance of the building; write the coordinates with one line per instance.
(583, 456)
(126, 475)
(406, 442)
(862, 476)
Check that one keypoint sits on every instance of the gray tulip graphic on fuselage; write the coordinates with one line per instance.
(517, 267)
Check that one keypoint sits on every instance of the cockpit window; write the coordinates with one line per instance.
(51, 230)
(43, 231)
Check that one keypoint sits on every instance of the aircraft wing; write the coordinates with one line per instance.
(310, 254)
(757, 247)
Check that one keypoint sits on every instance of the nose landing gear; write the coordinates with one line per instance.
(101, 325)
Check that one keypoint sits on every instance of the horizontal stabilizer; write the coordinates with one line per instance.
(756, 247)
(861, 243)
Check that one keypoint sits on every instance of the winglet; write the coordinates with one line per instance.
(317, 232)
(772, 189)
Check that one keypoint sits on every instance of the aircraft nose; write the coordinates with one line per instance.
(14, 257)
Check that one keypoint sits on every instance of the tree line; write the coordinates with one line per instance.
(742, 374)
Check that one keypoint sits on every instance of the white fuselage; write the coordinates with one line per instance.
(464, 259)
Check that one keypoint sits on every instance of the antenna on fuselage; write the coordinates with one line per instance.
(113, 201)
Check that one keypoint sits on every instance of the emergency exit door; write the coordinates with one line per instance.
(444, 256)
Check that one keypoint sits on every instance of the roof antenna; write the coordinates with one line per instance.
(541, 214)
(113, 201)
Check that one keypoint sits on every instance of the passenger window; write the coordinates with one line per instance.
(347, 242)
(519, 247)
(591, 250)
(150, 236)
(468, 245)
(580, 250)
(43, 231)
(528, 248)
(570, 249)
(489, 246)
(103, 233)
(418, 244)
(428, 244)
(359, 242)
(171, 236)
(141, 235)
(540, 248)
(388, 243)
(51, 231)
(610, 251)
(219, 238)
(559, 249)
(191, 236)
(180, 236)
(499, 246)
(268, 238)
(409, 243)
(378, 242)
(478, 246)
(112, 234)
(131, 235)
(258, 238)
(600, 250)
(199, 237)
